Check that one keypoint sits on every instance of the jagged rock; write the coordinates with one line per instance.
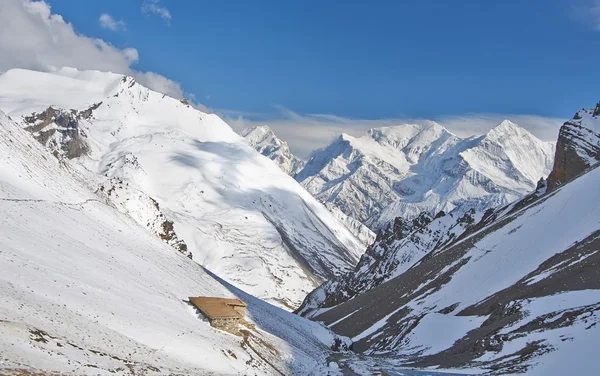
(514, 278)
(578, 147)
(395, 250)
(59, 130)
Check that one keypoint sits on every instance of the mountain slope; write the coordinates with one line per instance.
(266, 142)
(263, 139)
(507, 291)
(237, 213)
(395, 250)
(86, 290)
(404, 170)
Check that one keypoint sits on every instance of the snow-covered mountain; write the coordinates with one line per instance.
(515, 289)
(268, 144)
(404, 170)
(85, 290)
(186, 177)
(263, 139)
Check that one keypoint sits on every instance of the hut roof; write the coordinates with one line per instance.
(218, 308)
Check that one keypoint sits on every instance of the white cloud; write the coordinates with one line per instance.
(107, 22)
(595, 14)
(305, 133)
(155, 7)
(160, 83)
(31, 37)
(588, 11)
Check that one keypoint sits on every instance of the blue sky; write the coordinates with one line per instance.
(260, 61)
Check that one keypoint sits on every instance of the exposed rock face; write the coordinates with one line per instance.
(59, 130)
(268, 144)
(578, 147)
(395, 250)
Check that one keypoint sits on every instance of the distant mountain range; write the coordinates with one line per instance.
(408, 169)
(493, 290)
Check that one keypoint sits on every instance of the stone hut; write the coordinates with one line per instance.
(222, 313)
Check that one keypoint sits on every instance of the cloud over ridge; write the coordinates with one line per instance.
(32, 37)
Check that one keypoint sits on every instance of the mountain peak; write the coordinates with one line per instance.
(508, 129)
(263, 139)
(392, 171)
(507, 125)
(257, 129)
(195, 167)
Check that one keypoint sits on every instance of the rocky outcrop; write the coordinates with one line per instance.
(59, 130)
(396, 249)
(577, 148)
(144, 210)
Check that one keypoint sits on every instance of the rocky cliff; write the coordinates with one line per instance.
(577, 148)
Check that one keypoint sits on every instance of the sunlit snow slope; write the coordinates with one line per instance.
(85, 290)
(268, 144)
(239, 214)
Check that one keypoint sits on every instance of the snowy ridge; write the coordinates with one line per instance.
(237, 212)
(405, 170)
(86, 290)
(268, 144)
